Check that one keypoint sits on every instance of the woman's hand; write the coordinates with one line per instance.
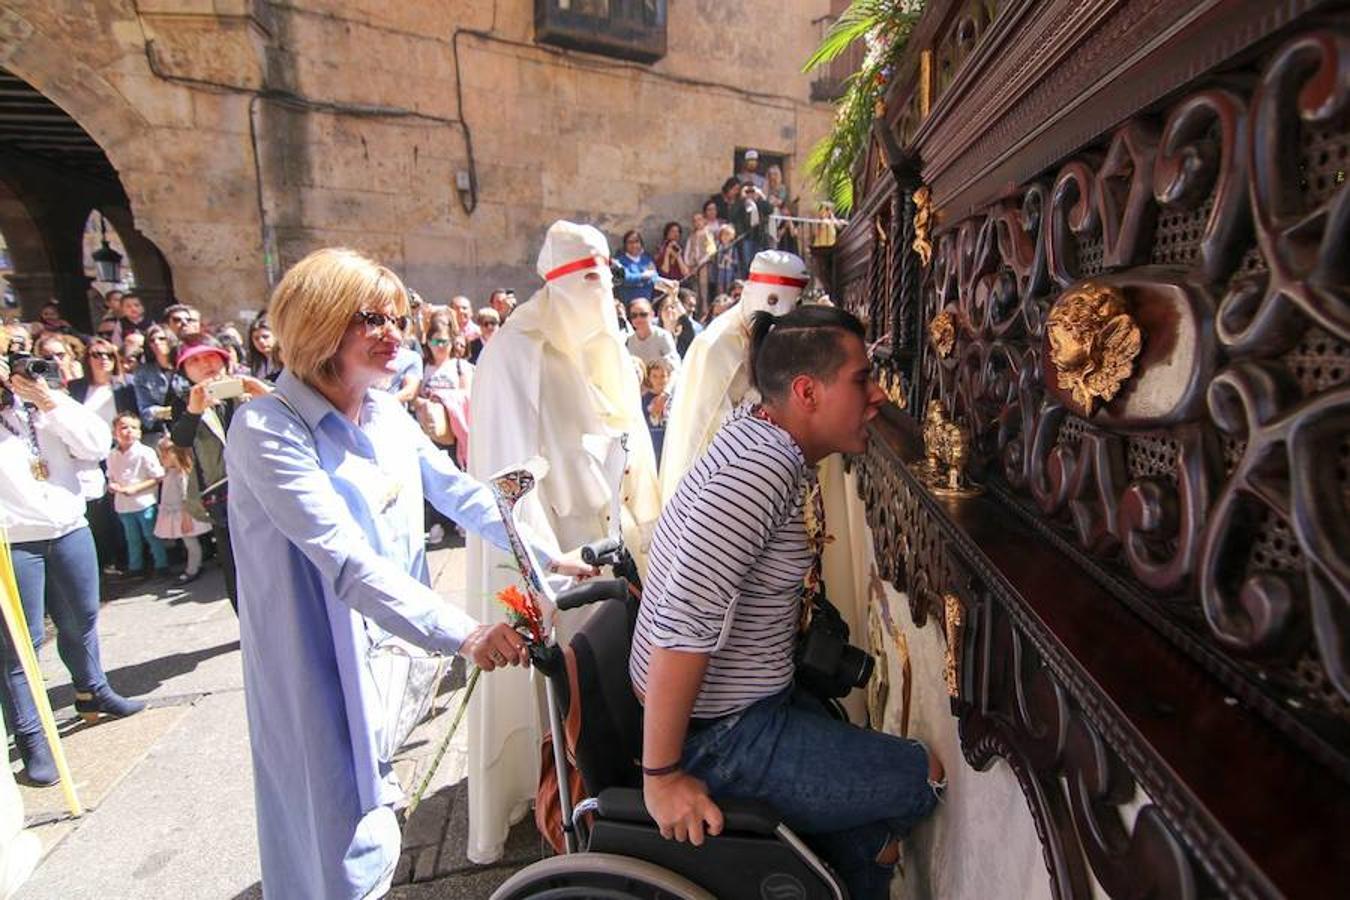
(254, 387)
(572, 564)
(490, 646)
(33, 390)
(657, 409)
(200, 399)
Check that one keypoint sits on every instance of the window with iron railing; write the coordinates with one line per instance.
(626, 29)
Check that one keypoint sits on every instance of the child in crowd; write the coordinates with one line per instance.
(133, 476)
(656, 402)
(175, 521)
(727, 265)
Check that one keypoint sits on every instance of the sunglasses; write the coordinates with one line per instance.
(102, 354)
(438, 342)
(374, 321)
(639, 315)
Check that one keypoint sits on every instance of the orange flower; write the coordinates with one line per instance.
(522, 611)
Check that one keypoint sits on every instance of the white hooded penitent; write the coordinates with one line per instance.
(714, 378)
(554, 382)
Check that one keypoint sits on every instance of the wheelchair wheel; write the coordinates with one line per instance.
(598, 876)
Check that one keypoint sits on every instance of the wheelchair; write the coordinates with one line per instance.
(614, 848)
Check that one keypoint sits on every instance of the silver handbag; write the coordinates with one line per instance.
(407, 678)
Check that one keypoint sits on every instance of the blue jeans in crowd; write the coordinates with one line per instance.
(60, 576)
(139, 527)
(846, 790)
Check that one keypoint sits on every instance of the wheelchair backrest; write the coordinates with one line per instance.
(609, 745)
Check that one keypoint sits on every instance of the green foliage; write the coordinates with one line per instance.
(885, 25)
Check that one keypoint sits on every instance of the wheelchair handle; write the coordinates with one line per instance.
(593, 591)
(601, 552)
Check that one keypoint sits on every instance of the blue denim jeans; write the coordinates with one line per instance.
(846, 790)
(60, 576)
(139, 528)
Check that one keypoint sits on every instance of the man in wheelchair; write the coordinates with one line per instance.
(713, 651)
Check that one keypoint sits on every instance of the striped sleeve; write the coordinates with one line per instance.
(726, 528)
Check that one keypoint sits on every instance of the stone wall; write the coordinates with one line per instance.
(247, 133)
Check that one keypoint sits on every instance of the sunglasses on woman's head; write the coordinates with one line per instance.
(377, 320)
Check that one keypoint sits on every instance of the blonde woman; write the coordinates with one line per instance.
(327, 477)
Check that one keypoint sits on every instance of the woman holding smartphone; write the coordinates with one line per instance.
(200, 426)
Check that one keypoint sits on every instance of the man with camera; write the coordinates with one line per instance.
(718, 650)
(750, 217)
(46, 439)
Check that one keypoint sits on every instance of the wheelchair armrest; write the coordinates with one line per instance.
(626, 805)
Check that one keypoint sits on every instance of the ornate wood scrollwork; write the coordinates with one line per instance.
(1261, 264)
(1205, 484)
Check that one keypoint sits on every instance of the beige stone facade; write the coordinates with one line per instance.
(246, 133)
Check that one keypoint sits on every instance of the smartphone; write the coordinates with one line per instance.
(225, 389)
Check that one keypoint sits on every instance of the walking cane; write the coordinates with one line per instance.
(17, 623)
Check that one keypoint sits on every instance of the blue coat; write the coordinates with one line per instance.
(638, 277)
(326, 522)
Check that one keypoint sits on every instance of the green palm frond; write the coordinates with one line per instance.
(852, 25)
(888, 23)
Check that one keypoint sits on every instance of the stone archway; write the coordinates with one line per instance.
(55, 173)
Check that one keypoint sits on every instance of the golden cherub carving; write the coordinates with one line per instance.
(942, 333)
(1093, 344)
(923, 219)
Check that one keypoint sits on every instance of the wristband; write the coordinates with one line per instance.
(661, 770)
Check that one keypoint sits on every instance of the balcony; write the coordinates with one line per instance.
(624, 29)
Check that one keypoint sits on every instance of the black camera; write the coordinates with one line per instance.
(617, 270)
(827, 664)
(34, 368)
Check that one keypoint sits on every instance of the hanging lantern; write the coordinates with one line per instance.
(107, 261)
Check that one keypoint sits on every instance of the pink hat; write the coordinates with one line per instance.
(192, 351)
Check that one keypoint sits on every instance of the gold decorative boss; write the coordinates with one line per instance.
(1093, 344)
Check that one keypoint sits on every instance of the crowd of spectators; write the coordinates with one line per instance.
(159, 392)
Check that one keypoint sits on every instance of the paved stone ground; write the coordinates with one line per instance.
(169, 794)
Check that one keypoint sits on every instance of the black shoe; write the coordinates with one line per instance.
(39, 767)
(189, 577)
(105, 702)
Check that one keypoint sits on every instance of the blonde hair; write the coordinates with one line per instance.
(316, 301)
(181, 456)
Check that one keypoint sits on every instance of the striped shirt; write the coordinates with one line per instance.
(727, 565)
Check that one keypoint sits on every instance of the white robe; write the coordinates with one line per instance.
(531, 400)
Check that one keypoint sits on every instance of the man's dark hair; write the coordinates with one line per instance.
(732, 182)
(807, 341)
(174, 309)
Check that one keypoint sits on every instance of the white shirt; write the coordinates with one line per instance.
(32, 510)
(137, 463)
(657, 345)
(99, 399)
